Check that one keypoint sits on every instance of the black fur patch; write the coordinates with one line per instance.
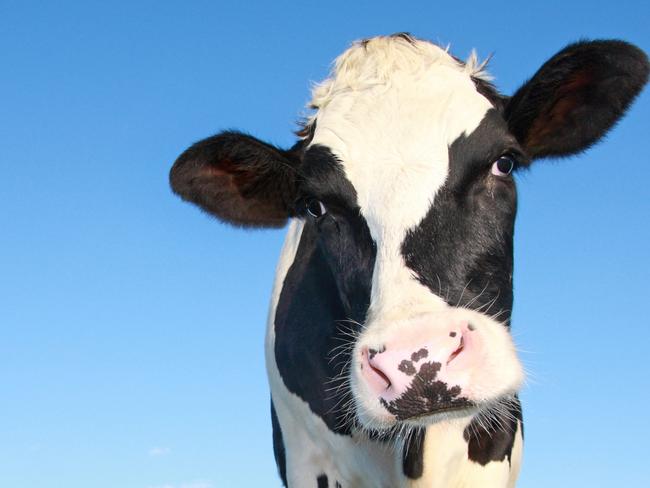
(413, 455)
(278, 446)
(322, 481)
(462, 249)
(326, 293)
(484, 446)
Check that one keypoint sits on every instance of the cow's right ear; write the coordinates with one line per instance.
(239, 179)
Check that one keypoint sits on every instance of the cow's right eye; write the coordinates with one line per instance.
(315, 208)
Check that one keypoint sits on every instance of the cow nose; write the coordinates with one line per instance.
(389, 371)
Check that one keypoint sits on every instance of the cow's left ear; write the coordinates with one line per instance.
(576, 97)
(239, 179)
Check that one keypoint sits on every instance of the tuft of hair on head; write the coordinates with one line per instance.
(478, 69)
(373, 62)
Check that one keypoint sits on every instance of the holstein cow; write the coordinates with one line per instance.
(388, 348)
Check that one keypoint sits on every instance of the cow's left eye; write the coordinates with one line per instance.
(503, 166)
(315, 208)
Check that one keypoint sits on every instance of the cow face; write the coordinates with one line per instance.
(397, 307)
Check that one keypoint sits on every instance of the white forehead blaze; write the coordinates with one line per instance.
(389, 112)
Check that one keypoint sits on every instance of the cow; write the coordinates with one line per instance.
(388, 347)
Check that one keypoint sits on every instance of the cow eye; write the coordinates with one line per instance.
(503, 166)
(315, 208)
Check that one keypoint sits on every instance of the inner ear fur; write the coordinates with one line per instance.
(238, 178)
(576, 97)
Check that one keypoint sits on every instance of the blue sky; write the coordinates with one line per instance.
(124, 312)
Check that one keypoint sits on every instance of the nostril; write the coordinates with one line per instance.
(373, 371)
(380, 373)
(457, 351)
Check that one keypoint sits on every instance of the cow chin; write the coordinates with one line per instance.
(433, 368)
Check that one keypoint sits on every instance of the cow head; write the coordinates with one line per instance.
(403, 177)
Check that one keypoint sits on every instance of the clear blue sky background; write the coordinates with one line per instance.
(131, 325)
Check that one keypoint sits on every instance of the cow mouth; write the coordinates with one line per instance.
(386, 428)
(439, 413)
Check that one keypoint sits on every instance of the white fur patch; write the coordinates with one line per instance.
(389, 113)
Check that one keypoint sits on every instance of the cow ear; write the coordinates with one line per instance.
(576, 97)
(239, 179)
